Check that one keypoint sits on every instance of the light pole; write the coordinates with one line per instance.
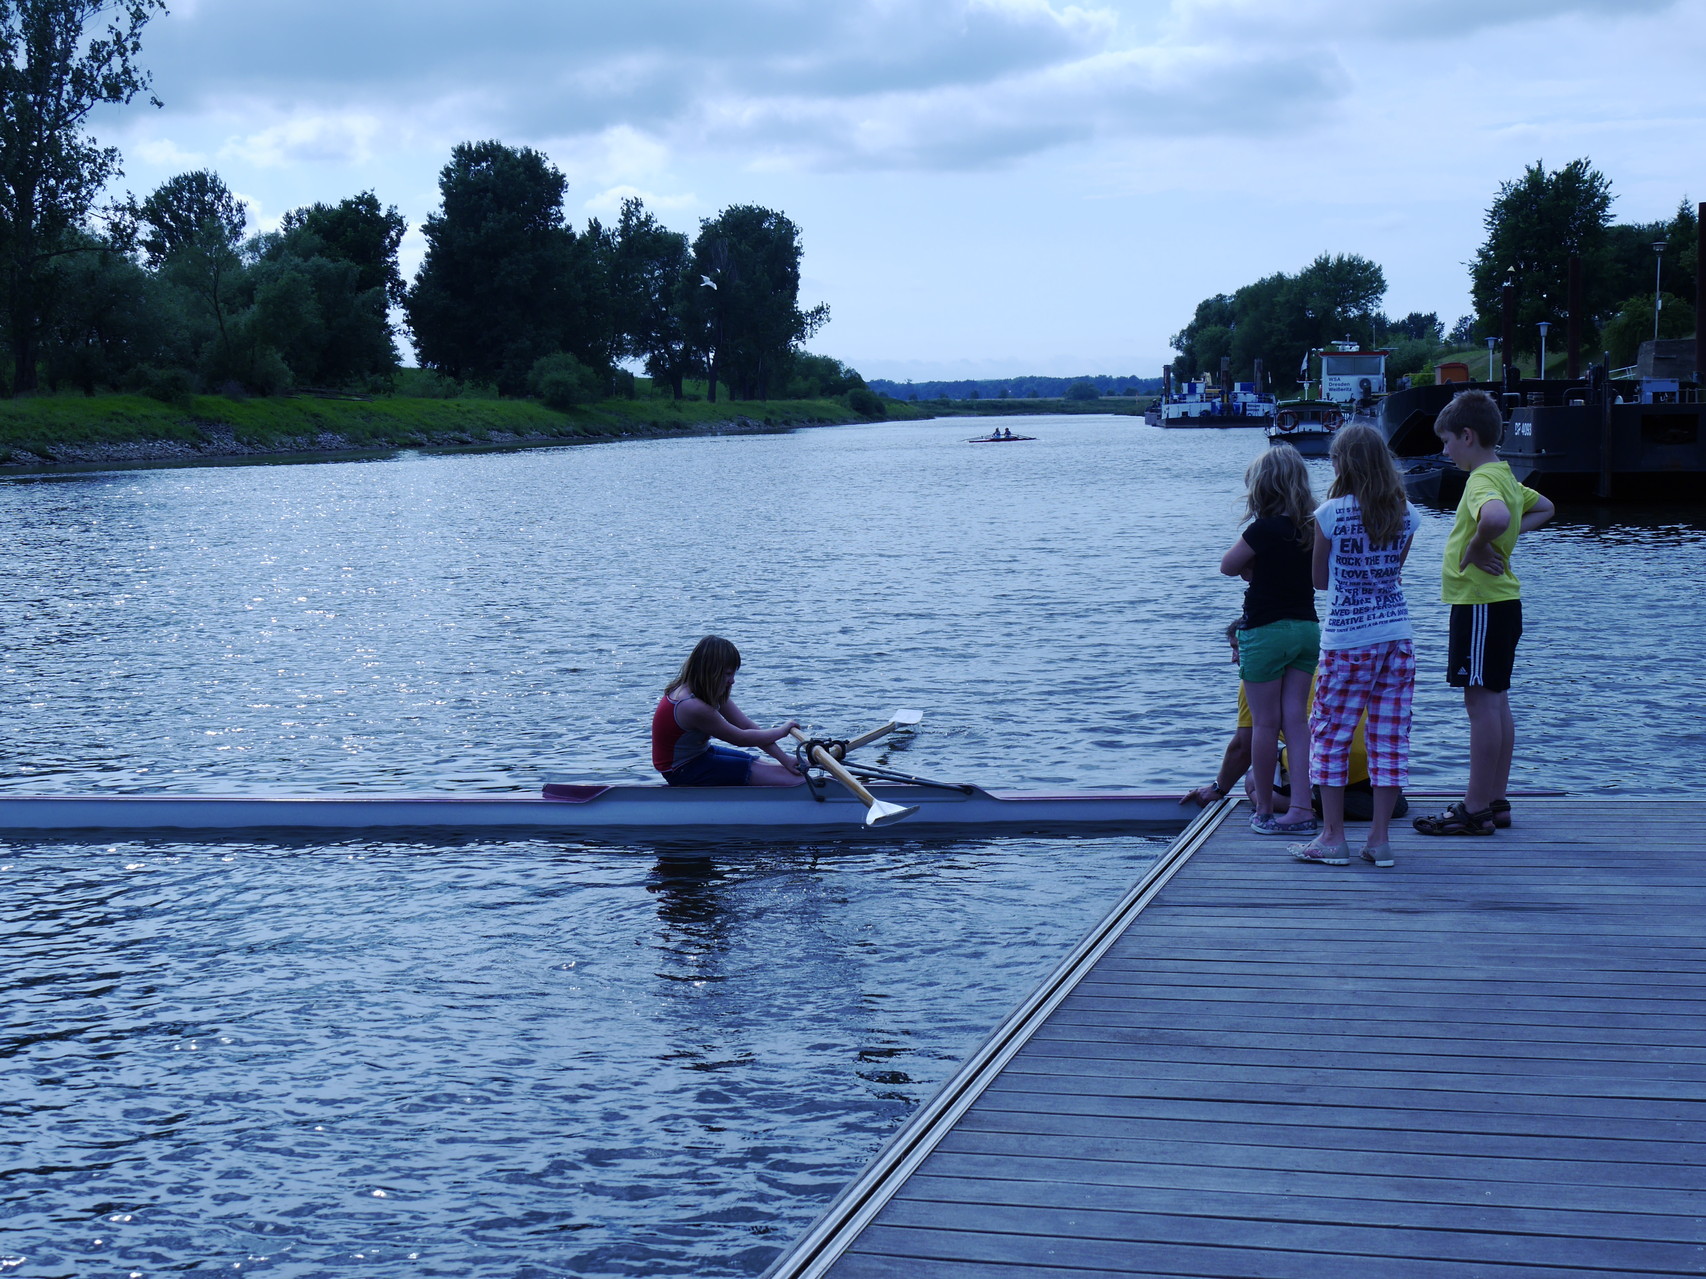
(1491, 343)
(1658, 298)
(1544, 325)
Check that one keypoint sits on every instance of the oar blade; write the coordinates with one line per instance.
(906, 718)
(883, 813)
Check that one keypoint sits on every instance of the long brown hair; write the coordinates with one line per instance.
(703, 673)
(1278, 484)
(1363, 468)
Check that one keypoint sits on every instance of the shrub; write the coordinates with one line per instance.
(563, 381)
(169, 386)
(866, 402)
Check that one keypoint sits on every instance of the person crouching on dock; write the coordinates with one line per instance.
(695, 708)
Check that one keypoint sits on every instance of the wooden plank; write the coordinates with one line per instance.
(1684, 1206)
(916, 1250)
(1328, 1203)
(1247, 1089)
(1344, 1237)
(1430, 1118)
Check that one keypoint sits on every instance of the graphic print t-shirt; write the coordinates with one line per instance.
(1282, 582)
(1366, 595)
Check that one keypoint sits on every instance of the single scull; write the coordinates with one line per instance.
(822, 808)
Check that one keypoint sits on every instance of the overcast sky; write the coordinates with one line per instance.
(984, 187)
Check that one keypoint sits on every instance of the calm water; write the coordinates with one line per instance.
(547, 1059)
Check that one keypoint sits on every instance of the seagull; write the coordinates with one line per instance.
(707, 282)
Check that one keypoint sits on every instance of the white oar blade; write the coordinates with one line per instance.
(906, 719)
(882, 813)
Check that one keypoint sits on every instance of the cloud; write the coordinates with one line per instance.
(858, 85)
(1316, 21)
(165, 154)
(309, 139)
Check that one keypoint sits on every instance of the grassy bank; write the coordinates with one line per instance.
(44, 430)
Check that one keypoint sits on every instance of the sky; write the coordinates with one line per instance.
(984, 188)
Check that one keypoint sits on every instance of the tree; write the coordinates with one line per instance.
(1280, 318)
(1082, 390)
(189, 230)
(649, 267)
(357, 231)
(495, 292)
(110, 317)
(56, 66)
(1533, 227)
(1633, 325)
(746, 304)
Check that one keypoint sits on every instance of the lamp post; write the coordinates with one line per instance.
(1544, 325)
(1491, 343)
(1658, 298)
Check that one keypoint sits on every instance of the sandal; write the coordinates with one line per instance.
(1322, 854)
(1456, 820)
(1501, 811)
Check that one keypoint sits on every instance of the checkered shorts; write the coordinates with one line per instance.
(1380, 679)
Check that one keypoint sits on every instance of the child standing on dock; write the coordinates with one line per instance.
(1486, 606)
(1278, 646)
(1363, 533)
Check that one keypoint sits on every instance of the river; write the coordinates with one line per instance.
(299, 1058)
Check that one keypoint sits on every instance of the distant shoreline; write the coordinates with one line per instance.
(66, 432)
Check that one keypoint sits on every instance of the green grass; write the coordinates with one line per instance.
(50, 426)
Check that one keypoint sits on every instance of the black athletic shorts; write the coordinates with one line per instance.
(1482, 651)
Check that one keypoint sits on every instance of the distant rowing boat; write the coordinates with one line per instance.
(713, 813)
(999, 439)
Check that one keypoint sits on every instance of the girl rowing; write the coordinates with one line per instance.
(695, 708)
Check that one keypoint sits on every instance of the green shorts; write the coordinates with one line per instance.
(1267, 652)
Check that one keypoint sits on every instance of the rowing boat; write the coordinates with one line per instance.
(569, 808)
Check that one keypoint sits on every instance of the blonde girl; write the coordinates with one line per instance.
(1277, 647)
(1363, 534)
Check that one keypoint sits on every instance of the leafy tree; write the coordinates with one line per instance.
(57, 64)
(745, 307)
(1082, 390)
(325, 313)
(356, 230)
(190, 229)
(495, 292)
(1280, 318)
(1463, 332)
(109, 318)
(811, 377)
(1633, 325)
(648, 281)
(1418, 325)
(1533, 227)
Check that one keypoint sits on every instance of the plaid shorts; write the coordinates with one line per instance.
(1380, 679)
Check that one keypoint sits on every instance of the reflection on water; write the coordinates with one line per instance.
(480, 1059)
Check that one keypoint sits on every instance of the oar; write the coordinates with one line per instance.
(900, 719)
(877, 812)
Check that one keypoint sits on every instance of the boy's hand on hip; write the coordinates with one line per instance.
(1485, 557)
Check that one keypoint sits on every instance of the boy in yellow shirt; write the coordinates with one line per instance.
(1486, 606)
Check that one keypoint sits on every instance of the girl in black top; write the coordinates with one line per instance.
(1281, 640)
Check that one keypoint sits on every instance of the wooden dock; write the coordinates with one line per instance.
(1488, 1061)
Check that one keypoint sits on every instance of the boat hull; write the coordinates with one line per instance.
(710, 813)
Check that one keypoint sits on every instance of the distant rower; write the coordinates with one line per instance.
(695, 708)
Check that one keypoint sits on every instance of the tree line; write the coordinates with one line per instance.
(170, 293)
(1533, 226)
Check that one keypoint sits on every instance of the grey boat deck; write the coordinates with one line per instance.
(1488, 1061)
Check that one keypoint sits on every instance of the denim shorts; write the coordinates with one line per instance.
(1267, 652)
(718, 766)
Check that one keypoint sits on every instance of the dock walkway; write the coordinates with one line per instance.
(1487, 1061)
